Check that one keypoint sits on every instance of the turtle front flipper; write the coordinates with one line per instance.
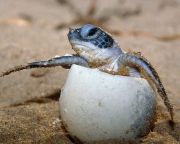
(64, 61)
(148, 72)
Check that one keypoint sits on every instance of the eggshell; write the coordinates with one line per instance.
(96, 106)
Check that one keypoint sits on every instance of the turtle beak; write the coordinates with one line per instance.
(70, 33)
(71, 30)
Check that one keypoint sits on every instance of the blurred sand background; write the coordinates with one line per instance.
(37, 30)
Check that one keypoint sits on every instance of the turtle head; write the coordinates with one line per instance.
(91, 42)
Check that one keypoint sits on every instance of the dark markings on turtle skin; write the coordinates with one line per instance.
(103, 41)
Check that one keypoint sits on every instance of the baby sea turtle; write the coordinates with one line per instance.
(96, 48)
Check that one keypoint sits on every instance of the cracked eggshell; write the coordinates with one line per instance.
(97, 106)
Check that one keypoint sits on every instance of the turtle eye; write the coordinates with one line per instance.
(92, 31)
(89, 31)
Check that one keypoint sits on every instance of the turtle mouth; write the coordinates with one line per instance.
(80, 48)
(77, 44)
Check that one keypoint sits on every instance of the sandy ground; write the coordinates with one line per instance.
(37, 30)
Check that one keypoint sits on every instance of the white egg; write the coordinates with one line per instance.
(96, 106)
